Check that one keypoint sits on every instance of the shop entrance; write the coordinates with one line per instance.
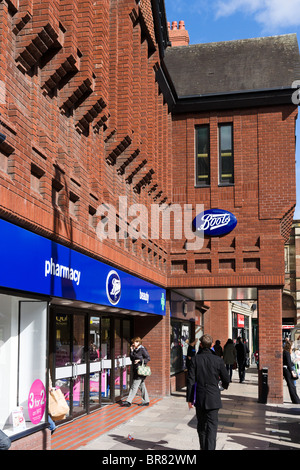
(90, 359)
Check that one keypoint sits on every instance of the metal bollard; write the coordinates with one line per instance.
(263, 385)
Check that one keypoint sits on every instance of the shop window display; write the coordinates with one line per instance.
(23, 330)
(180, 337)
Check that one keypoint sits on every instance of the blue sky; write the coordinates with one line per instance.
(225, 20)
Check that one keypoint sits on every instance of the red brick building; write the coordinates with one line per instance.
(256, 106)
(95, 105)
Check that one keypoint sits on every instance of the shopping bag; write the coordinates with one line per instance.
(144, 370)
(195, 393)
(58, 407)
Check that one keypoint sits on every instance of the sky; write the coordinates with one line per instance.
(226, 20)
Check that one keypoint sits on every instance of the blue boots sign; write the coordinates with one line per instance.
(113, 287)
(215, 222)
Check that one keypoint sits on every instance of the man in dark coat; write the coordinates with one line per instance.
(205, 372)
(241, 358)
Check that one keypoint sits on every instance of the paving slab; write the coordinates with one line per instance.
(244, 424)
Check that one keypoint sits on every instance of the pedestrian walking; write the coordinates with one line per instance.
(218, 348)
(288, 372)
(204, 374)
(229, 357)
(191, 352)
(138, 356)
(241, 354)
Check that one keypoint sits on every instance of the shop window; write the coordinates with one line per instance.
(240, 326)
(226, 154)
(180, 337)
(23, 329)
(202, 156)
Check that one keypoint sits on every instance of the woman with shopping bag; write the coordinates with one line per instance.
(58, 407)
(139, 357)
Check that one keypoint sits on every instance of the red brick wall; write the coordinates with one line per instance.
(263, 193)
(216, 321)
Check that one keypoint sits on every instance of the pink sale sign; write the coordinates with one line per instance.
(36, 401)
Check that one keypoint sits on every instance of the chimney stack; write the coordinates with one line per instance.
(178, 36)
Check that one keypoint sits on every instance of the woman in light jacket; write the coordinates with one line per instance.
(138, 355)
(229, 356)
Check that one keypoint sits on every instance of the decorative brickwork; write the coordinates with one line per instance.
(253, 254)
(83, 108)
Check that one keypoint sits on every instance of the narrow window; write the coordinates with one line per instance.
(202, 156)
(226, 154)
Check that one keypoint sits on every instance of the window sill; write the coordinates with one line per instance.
(28, 432)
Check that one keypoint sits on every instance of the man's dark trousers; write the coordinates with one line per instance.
(207, 427)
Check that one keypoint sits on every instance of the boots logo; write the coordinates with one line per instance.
(215, 222)
(113, 287)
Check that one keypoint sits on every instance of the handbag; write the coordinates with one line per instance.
(144, 370)
(58, 407)
(294, 375)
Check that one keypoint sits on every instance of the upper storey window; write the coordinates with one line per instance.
(202, 156)
(226, 175)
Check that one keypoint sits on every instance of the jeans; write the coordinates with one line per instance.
(136, 384)
(242, 370)
(5, 441)
(229, 368)
(52, 425)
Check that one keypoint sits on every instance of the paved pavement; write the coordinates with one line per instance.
(244, 424)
